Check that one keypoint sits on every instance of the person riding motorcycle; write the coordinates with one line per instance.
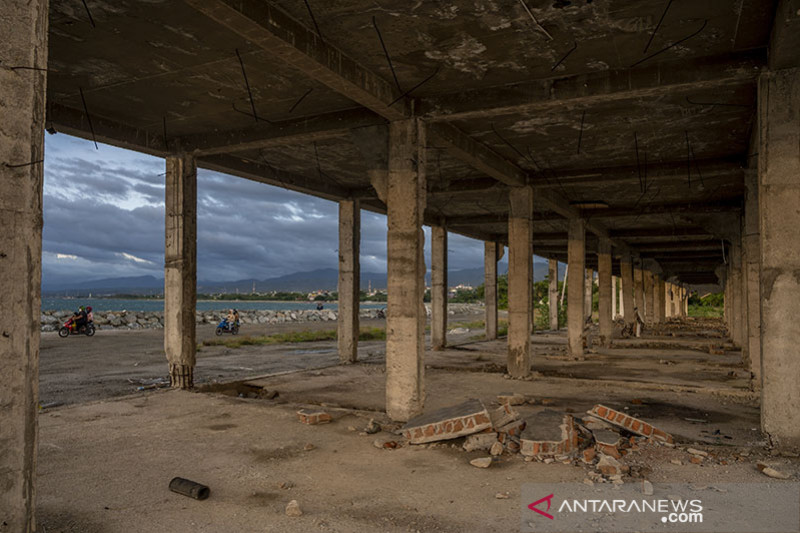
(80, 318)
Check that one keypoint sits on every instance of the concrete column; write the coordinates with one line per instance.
(638, 290)
(490, 257)
(576, 256)
(552, 274)
(613, 298)
(180, 269)
(349, 279)
(673, 299)
(661, 290)
(520, 280)
(626, 267)
(604, 307)
(438, 287)
(649, 301)
(751, 273)
(620, 295)
(23, 25)
(778, 193)
(405, 321)
(683, 302)
(736, 293)
(587, 293)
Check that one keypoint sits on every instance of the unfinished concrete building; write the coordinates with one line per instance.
(658, 147)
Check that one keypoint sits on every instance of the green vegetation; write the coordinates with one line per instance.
(709, 306)
(366, 334)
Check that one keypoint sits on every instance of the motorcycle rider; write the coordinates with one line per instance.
(80, 318)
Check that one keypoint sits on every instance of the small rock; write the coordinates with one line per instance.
(695, 451)
(351, 428)
(372, 427)
(501, 495)
(771, 472)
(676, 462)
(549, 460)
(481, 462)
(609, 466)
(293, 509)
(497, 449)
(286, 485)
(589, 455)
(589, 482)
(647, 488)
(308, 447)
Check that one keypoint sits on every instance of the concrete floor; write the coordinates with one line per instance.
(104, 466)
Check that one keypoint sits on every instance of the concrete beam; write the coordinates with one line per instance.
(726, 168)
(785, 39)
(270, 28)
(180, 270)
(349, 280)
(75, 122)
(263, 173)
(24, 25)
(478, 155)
(666, 208)
(585, 90)
(261, 135)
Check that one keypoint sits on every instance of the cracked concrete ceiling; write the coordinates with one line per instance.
(647, 106)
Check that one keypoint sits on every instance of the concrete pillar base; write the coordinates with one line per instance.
(181, 376)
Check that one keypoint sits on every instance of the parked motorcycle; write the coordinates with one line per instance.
(69, 328)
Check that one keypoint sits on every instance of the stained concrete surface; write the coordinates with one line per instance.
(105, 466)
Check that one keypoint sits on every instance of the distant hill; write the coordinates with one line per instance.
(321, 279)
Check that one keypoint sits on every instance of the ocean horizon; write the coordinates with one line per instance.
(142, 305)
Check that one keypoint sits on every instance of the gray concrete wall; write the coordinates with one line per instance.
(349, 280)
(778, 194)
(180, 269)
(405, 320)
(23, 27)
(520, 280)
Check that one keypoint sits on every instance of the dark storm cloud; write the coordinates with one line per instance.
(104, 217)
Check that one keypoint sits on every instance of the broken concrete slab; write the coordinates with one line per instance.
(480, 441)
(448, 423)
(548, 433)
(629, 423)
(512, 429)
(503, 416)
(608, 442)
(312, 417)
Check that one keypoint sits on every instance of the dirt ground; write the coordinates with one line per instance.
(105, 463)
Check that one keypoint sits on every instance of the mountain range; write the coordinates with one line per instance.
(320, 279)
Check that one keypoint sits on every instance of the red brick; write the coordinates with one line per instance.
(312, 418)
(449, 423)
(634, 425)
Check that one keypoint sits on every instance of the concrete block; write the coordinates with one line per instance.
(512, 429)
(502, 416)
(448, 423)
(480, 441)
(629, 423)
(548, 433)
(312, 418)
(608, 442)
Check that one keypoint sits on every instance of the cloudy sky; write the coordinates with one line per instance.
(104, 218)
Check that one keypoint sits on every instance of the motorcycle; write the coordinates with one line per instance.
(225, 327)
(69, 328)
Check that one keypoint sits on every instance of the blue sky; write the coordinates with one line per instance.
(104, 218)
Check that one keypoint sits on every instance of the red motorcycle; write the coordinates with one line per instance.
(70, 328)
